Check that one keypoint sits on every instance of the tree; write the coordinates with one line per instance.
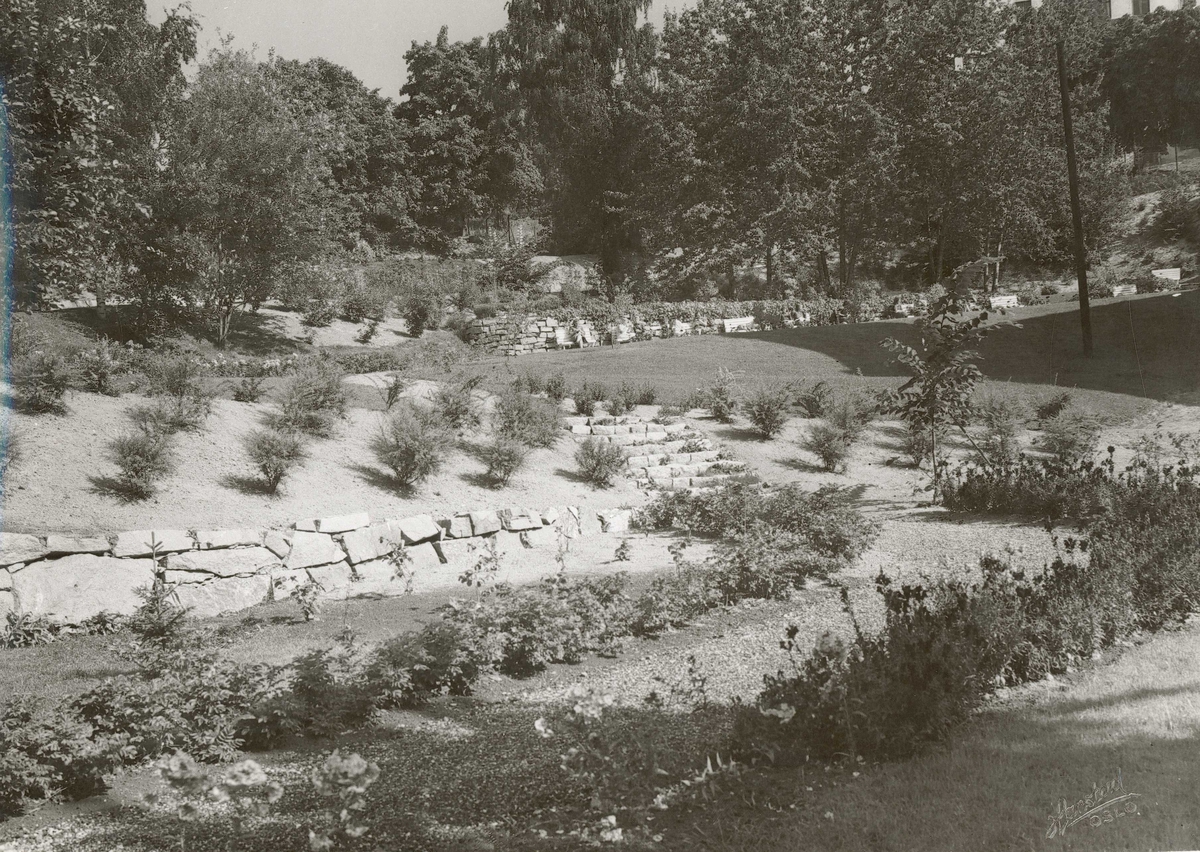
(367, 151)
(1152, 79)
(245, 186)
(83, 85)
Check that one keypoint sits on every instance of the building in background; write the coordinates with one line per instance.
(1118, 8)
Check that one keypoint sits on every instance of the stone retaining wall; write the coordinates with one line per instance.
(70, 578)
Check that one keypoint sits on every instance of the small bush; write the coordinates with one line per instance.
(587, 396)
(1002, 419)
(647, 394)
(1052, 406)
(768, 410)
(1070, 436)
(556, 387)
(249, 389)
(98, 367)
(721, 398)
(524, 418)
(668, 413)
(275, 454)
(183, 403)
(504, 457)
(918, 442)
(159, 621)
(816, 400)
(143, 458)
(422, 310)
(312, 401)
(412, 443)
(409, 669)
(456, 404)
(829, 443)
(41, 380)
(27, 630)
(623, 400)
(599, 462)
(852, 413)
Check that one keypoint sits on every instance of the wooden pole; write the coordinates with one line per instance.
(1085, 310)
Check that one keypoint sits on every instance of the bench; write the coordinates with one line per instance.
(680, 328)
(998, 302)
(737, 324)
(1125, 290)
(563, 338)
(1173, 274)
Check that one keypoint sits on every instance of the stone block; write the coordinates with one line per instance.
(333, 579)
(238, 562)
(624, 440)
(674, 428)
(458, 526)
(517, 519)
(581, 430)
(312, 549)
(136, 543)
(602, 430)
(374, 542)
(19, 547)
(551, 516)
(277, 543)
(461, 553)
(542, 537)
(343, 523)
(76, 587)
(423, 557)
(227, 594)
(6, 582)
(614, 520)
(7, 604)
(309, 525)
(484, 523)
(638, 461)
(681, 483)
(284, 582)
(216, 539)
(417, 529)
(67, 544)
(575, 420)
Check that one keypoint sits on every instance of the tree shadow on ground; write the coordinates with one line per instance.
(111, 486)
(1144, 346)
(382, 480)
(252, 333)
(251, 486)
(737, 433)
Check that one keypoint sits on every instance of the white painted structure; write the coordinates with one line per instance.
(1118, 8)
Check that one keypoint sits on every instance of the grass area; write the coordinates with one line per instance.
(474, 774)
(1157, 357)
(996, 784)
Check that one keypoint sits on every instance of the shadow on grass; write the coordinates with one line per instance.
(737, 433)
(481, 480)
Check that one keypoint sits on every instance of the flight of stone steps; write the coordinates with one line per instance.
(663, 456)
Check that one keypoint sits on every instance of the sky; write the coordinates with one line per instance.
(370, 37)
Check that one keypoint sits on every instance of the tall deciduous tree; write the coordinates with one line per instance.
(84, 84)
(245, 186)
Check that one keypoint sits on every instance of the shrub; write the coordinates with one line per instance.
(852, 413)
(312, 401)
(98, 367)
(1070, 436)
(524, 418)
(143, 457)
(766, 562)
(409, 669)
(504, 457)
(829, 443)
(27, 630)
(456, 404)
(411, 443)
(668, 413)
(768, 410)
(249, 389)
(361, 303)
(50, 754)
(422, 310)
(647, 394)
(1036, 488)
(41, 380)
(1053, 406)
(183, 403)
(159, 620)
(720, 398)
(1002, 419)
(622, 400)
(274, 453)
(1177, 215)
(587, 396)
(816, 400)
(674, 600)
(556, 387)
(599, 462)
(918, 442)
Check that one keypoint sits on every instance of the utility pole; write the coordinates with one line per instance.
(1085, 309)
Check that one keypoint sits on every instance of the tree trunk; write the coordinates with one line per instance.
(823, 271)
(770, 267)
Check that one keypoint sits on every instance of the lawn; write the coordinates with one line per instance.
(1145, 347)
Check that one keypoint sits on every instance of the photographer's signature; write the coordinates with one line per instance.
(1104, 804)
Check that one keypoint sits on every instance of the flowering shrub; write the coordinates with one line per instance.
(344, 780)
